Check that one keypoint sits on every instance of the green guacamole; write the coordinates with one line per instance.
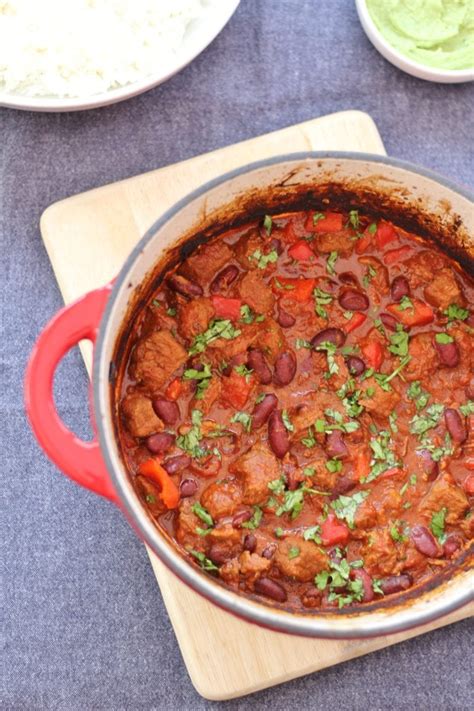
(437, 33)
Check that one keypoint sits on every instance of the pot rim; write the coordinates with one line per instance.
(358, 624)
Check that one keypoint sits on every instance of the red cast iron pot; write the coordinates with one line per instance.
(413, 198)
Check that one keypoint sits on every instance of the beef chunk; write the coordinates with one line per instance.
(271, 339)
(209, 397)
(445, 494)
(300, 559)
(378, 283)
(252, 565)
(224, 350)
(443, 289)
(313, 409)
(150, 495)
(156, 358)
(256, 469)
(248, 244)
(254, 292)
(139, 415)
(186, 527)
(194, 317)
(424, 359)
(380, 553)
(222, 499)
(334, 242)
(203, 265)
(380, 403)
(422, 266)
(224, 543)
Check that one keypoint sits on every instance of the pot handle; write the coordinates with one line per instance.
(81, 461)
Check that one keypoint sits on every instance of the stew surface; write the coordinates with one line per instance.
(297, 411)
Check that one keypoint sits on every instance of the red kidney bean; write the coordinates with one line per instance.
(187, 487)
(256, 361)
(430, 467)
(269, 551)
(399, 288)
(348, 278)
(367, 589)
(285, 319)
(424, 541)
(263, 410)
(285, 368)
(335, 445)
(275, 244)
(160, 442)
(455, 425)
(167, 410)
(224, 279)
(330, 335)
(173, 465)
(448, 353)
(389, 321)
(240, 518)
(184, 286)
(270, 588)
(343, 485)
(470, 320)
(353, 300)
(250, 542)
(395, 583)
(452, 544)
(355, 365)
(219, 554)
(278, 434)
(470, 389)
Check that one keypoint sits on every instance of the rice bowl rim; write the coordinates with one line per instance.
(203, 34)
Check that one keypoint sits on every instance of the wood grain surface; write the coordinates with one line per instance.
(88, 237)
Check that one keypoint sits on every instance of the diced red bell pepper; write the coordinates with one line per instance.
(289, 233)
(173, 390)
(301, 251)
(395, 255)
(227, 308)
(297, 289)
(362, 465)
(469, 485)
(385, 233)
(333, 531)
(418, 315)
(354, 322)
(169, 493)
(236, 389)
(373, 352)
(363, 243)
(393, 471)
(331, 222)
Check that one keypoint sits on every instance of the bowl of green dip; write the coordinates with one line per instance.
(430, 39)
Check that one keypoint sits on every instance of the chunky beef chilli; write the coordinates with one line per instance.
(297, 411)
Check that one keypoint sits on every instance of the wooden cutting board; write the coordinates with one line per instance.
(88, 237)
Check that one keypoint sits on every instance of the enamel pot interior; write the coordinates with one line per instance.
(412, 198)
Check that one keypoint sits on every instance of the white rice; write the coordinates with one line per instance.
(76, 48)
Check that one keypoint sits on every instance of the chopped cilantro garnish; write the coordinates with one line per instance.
(399, 342)
(268, 223)
(203, 514)
(405, 303)
(443, 338)
(317, 217)
(263, 260)
(418, 395)
(384, 380)
(301, 343)
(331, 261)
(171, 311)
(396, 534)
(455, 312)
(330, 349)
(243, 371)
(392, 418)
(278, 531)
(189, 442)
(369, 275)
(309, 441)
(312, 534)
(339, 577)
(286, 421)
(202, 376)
(246, 314)
(372, 228)
(206, 563)
(219, 328)
(338, 424)
(354, 219)
(333, 465)
(383, 457)
(467, 408)
(345, 507)
(376, 586)
(321, 299)
(420, 424)
(293, 552)
(244, 419)
(277, 486)
(437, 451)
(254, 522)
(437, 524)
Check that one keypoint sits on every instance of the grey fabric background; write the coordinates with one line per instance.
(84, 625)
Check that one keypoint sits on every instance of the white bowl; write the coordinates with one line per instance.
(203, 32)
(422, 71)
